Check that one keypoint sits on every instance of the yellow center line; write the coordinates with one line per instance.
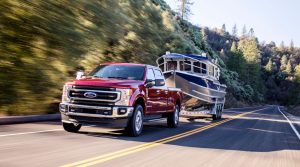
(141, 147)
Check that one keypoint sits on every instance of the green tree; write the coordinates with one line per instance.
(223, 29)
(185, 8)
(282, 46)
(269, 66)
(249, 47)
(283, 62)
(234, 31)
(289, 68)
(294, 93)
(233, 48)
(251, 32)
(297, 73)
(244, 32)
(292, 46)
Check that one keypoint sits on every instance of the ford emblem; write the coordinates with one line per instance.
(90, 95)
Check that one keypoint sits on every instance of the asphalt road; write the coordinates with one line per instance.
(258, 136)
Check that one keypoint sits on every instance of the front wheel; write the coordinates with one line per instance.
(69, 127)
(173, 118)
(135, 124)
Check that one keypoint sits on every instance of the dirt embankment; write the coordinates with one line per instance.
(295, 110)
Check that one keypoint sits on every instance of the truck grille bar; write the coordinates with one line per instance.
(100, 95)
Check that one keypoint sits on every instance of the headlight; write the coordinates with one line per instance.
(65, 97)
(125, 97)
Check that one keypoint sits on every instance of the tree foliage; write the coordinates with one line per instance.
(43, 43)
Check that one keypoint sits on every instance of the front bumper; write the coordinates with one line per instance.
(74, 113)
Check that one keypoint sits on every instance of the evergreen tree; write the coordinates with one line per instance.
(233, 48)
(292, 46)
(297, 73)
(283, 62)
(282, 46)
(204, 34)
(244, 32)
(269, 66)
(289, 68)
(234, 31)
(251, 32)
(223, 28)
(236, 62)
(185, 8)
(249, 47)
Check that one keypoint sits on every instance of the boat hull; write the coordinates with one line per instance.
(199, 92)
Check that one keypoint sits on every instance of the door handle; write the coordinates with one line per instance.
(157, 91)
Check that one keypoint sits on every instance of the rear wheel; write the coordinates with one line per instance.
(218, 114)
(173, 118)
(215, 117)
(135, 124)
(69, 127)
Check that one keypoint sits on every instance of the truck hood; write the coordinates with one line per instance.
(115, 83)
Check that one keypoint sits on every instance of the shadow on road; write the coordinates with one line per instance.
(263, 131)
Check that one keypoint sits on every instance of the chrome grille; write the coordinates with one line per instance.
(101, 94)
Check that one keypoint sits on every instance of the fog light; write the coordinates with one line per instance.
(63, 108)
(122, 111)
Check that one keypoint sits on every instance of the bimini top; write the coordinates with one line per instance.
(182, 56)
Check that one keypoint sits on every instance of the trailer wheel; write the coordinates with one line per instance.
(173, 118)
(214, 117)
(218, 114)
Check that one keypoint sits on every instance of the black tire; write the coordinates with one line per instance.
(215, 117)
(218, 115)
(173, 118)
(134, 127)
(69, 127)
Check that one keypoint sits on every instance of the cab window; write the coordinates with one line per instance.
(158, 74)
(197, 67)
(172, 65)
(150, 74)
(204, 71)
(187, 66)
(160, 79)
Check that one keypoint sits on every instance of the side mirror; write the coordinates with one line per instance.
(80, 74)
(159, 82)
(150, 83)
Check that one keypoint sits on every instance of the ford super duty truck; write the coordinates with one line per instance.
(122, 94)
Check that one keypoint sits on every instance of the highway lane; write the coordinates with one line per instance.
(261, 138)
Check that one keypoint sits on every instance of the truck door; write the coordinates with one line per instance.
(153, 95)
(162, 91)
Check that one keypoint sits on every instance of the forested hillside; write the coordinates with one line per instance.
(43, 43)
(267, 73)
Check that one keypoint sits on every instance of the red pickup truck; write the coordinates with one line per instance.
(124, 94)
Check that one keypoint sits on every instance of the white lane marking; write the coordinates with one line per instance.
(25, 133)
(291, 124)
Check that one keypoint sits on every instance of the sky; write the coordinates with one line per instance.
(272, 20)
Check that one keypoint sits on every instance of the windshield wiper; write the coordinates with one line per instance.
(117, 77)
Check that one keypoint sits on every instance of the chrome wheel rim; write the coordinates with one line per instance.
(176, 115)
(138, 121)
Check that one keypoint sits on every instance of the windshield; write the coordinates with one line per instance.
(119, 72)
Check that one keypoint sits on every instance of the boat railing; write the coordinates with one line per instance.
(199, 69)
